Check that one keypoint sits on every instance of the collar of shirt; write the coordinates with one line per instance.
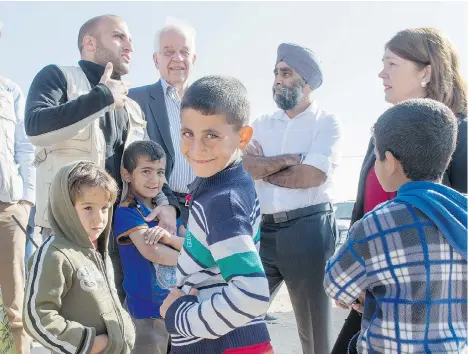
(169, 90)
(94, 72)
(312, 108)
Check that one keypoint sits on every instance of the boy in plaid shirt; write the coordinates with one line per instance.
(408, 255)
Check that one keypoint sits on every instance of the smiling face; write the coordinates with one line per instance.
(209, 143)
(92, 206)
(402, 78)
(147, 179)
(175, 57)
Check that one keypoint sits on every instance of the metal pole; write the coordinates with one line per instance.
(24, 230)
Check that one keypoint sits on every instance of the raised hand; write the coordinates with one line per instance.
(118, 88)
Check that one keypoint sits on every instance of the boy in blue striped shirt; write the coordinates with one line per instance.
(222, 292)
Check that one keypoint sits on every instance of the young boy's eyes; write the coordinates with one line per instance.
(207, 136)
(90, 208)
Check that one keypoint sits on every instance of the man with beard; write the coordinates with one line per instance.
(292, 159)
(83, 113)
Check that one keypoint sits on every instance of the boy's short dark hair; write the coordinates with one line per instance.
(421, 134)
(140, 148)
(225, 95)
(88, 174)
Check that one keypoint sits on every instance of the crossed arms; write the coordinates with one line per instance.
(283, 170)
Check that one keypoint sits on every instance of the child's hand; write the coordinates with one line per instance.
(171, 298)
(182, 231)
(100, 343)
(157, 234)
(340, 305)
(359, 306)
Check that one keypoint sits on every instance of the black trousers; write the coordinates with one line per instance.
(295, 252)
(350, 328)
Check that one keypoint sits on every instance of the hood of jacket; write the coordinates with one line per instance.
(63, 218)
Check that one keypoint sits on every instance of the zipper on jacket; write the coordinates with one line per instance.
(117, 311)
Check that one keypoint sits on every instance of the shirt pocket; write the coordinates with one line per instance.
(137, 125)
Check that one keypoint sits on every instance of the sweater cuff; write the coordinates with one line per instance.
(109, 98)
(172, 311)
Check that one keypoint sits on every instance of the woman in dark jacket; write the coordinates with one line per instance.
(417, 62)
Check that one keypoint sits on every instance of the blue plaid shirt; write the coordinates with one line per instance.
(399, 257)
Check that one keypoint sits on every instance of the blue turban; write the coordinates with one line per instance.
(303, 61)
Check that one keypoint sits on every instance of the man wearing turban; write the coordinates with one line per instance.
(292, 158)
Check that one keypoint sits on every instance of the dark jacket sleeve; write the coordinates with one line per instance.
(358, 210)
(456, 174)
(171, 198)
(50, 119)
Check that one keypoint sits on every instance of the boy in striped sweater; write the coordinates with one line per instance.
(222, 292)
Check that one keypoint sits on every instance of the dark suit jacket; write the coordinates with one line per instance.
(151, 100)
(455, 176)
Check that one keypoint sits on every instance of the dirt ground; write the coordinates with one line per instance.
(285, 339)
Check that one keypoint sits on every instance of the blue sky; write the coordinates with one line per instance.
(240, 39)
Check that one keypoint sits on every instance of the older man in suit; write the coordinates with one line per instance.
(174, 56)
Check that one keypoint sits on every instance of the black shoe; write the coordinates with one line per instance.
(270, 319)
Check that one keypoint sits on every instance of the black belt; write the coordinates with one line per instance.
(181, 197)
(296, 214)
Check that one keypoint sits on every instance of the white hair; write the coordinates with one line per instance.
(186, 30)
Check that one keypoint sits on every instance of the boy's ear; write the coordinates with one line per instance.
(392, 165)
(125, 175)
(245, 135)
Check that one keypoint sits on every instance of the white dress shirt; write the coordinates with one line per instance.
(182, 174)
(313, 132)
